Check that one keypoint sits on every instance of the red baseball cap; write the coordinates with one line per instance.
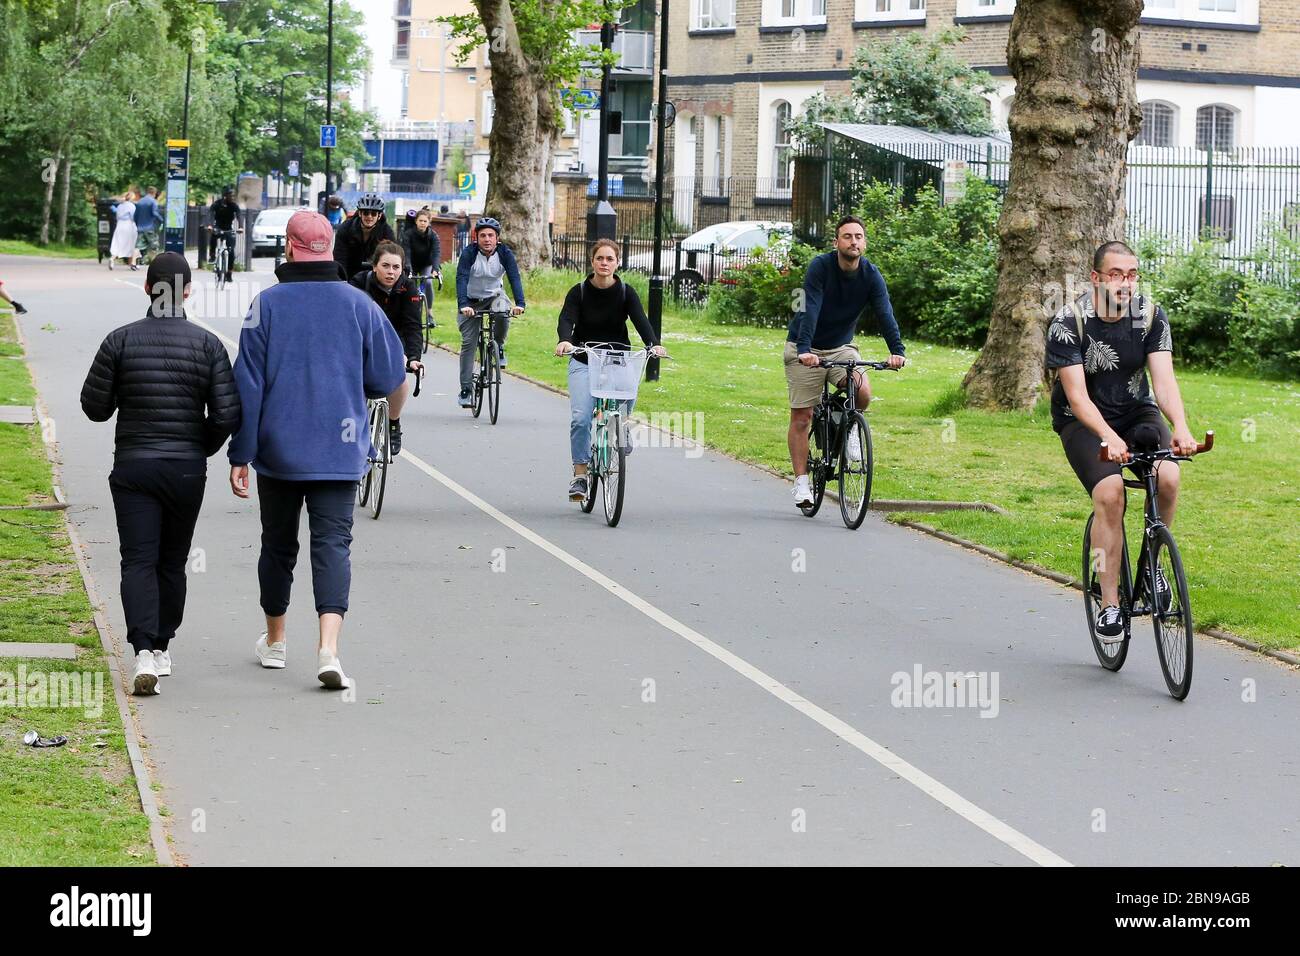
(311, 237)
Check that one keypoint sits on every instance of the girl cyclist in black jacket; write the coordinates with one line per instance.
(387, 284)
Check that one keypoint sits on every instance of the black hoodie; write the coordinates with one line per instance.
(353, 251)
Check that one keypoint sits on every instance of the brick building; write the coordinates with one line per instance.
(1225, 72)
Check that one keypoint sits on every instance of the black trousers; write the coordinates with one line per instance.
(329, 516)
(157, 501)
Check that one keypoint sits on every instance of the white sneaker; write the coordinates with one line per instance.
(330, 672)
(854, 445)
(803, 491)
(144, 679)
(163, 663)
(269, 655)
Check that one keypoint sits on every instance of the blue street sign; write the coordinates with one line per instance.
(329, 137)
(572, 99)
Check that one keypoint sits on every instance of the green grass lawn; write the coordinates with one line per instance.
(76, 804)
(21, 247)
(1238, 508)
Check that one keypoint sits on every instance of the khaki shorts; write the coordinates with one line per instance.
(806, 383)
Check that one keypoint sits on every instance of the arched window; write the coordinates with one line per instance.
(782, 154)
(1216, 127)
(1157, 124)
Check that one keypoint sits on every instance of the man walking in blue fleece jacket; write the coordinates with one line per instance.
(312, 350)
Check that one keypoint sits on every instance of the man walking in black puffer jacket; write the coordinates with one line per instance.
(171, 384)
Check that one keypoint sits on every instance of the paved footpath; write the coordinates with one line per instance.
(534, 687)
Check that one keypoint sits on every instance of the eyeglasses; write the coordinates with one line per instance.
(1115, 275)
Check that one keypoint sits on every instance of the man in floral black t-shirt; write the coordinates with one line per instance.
(1101, 395)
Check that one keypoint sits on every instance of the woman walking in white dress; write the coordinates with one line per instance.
(124, 235)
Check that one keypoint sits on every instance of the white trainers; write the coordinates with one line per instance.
(802, 491)
(854, 445)
(330, 672)
(270, 655)
(162, 661)
(144, 679)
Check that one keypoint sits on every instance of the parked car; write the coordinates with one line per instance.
(706, 255)
(268, 229)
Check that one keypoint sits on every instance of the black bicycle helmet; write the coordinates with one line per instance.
(487, 222)
(370, 202)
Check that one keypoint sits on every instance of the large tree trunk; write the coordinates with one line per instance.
(523, 137)
(63, 199)
(1075, 64)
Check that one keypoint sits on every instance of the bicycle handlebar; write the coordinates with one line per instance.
(1160, 454)
(584, 348)
(851, 364)
(419, 379)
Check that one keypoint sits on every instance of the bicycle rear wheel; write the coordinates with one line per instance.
(855, 476)
(816, 466)
(379, 435)
(615, 471)
(1110, 656)
(1173, 625)
(494, 382)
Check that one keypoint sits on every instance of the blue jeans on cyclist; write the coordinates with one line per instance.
(581, 406)
(469, 326)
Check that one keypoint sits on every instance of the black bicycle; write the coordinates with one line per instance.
(370, 489)
(487, 379)
(425, 288)
(833, 453)
(1158, 587)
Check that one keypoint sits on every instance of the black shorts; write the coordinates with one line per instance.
(1082, 446)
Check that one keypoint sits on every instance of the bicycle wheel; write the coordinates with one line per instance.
(220, 266)
(379, 435)
(1173, 625)
(816, 465)
(1110, 656)
(425, 316)
(596, 467)
(855, 476)
(494, 382)
(615, 472)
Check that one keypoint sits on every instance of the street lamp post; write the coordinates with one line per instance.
(601, 219)
(329, 93)
(279, 136)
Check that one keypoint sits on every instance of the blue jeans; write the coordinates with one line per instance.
(581, 406)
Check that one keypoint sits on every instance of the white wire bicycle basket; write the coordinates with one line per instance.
(614, 373)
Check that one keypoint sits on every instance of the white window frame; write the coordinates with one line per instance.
(489, 111)
(1173, 121)
(718, 19)
(985, 8)
(1236, 126)
(865, 10)
(1246, 12)
(777, 139)
(803, 16)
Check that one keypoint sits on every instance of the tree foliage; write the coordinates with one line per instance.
(913, 80)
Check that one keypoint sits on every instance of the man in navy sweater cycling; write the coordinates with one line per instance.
(312, 350)
(838, 288)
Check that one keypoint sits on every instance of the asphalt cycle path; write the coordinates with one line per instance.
(717, 680)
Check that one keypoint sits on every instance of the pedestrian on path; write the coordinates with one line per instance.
(312, 350)
(124, 234)
(171, 384)
(148, 216)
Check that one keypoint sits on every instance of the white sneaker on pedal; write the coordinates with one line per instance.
(803, 494)
(854, 445)
(144, 679)
(162, 660)
(270, 655)
(330, 672)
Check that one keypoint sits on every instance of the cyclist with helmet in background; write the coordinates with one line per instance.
(479, 287)
(225, 211)
(355, 240)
